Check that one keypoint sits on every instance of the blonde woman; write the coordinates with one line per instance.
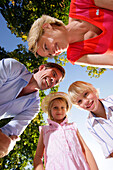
(88, 37)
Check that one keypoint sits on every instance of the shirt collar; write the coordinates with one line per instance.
(55, 124)
(107, 103)
(27, 77)
(92, 117)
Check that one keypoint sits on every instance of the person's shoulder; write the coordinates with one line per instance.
(108, 98)
(43, 127)
(70, 123)
(73, 124)
(11, 62)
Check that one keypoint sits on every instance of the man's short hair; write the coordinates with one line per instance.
(52, 65)
(36, 31)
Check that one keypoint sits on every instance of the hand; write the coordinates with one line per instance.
(6, 143)
(111, 155)
(14, 139)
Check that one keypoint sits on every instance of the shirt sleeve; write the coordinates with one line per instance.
(78, 7)
(40, 128)
(109, 99)
(92, 130)
(10, 69)
(75, 126)
(107, 150)
(18, 124)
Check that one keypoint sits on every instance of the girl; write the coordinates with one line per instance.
(63, 145)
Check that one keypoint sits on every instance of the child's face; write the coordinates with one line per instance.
(58, 110)
(88, 101)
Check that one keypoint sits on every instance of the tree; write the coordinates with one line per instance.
(94, 71)
(20, 14)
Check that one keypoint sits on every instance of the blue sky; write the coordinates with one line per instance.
(73, 73)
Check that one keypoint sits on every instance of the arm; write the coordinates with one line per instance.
(87, 153)
(38, 164)
(103, 141)
(96, 60)
(107, 4)
(6, 144)
(110, 156)
(18, 124)
(10, 69)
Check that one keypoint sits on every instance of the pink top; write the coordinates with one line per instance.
(86, 10)
(62, 148)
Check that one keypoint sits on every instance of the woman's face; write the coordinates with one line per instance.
(53, 41)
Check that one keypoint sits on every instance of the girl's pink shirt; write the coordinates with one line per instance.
(62, 148)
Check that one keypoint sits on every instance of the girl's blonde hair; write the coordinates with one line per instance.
(36, 31)
(77, 88)
(51, 103)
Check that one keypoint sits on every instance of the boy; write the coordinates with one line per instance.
(100, 119)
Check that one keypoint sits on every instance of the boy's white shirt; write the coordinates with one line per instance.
(102, 129)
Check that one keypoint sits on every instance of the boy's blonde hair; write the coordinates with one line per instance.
(77, 88)
(36, 31)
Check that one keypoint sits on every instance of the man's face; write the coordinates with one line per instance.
(53, 41)
(88, 101)
(47, 78)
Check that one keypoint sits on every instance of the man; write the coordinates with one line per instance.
(88, 37)
(19, 96)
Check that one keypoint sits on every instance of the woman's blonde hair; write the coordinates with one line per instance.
(51, 103)
(36, 31)
(77, 88)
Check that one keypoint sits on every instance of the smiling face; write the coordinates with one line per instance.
(58, 110)
(46, 78)
(88, 101)
(53, 41)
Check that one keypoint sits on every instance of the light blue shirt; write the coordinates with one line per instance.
(102, 129)
(13, 78)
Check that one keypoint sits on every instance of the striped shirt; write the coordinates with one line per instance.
(102, 129)
(13, 78)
